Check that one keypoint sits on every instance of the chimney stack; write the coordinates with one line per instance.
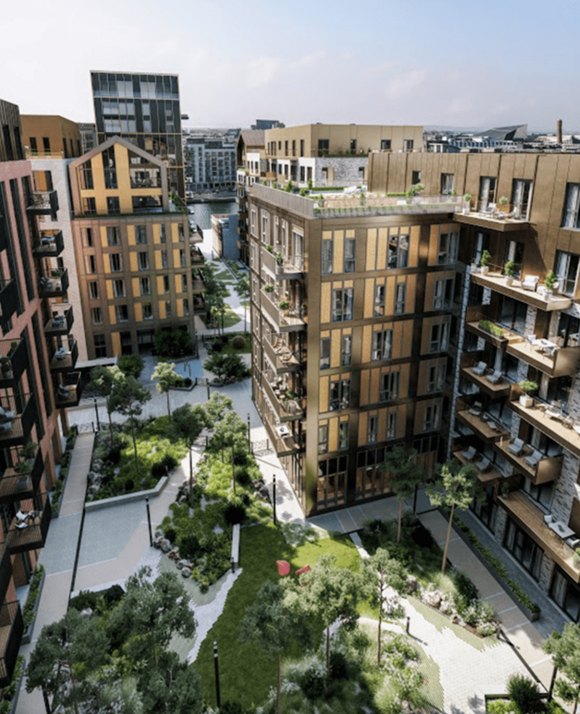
(559, 131)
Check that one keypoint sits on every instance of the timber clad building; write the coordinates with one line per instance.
(372, 325)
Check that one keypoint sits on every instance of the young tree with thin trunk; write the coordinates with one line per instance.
(382, 575)
(102, 379)
(565, 650)
(405, 475)
(243, 290)
(455, 488)
(190, 422)
(166, 377)
(332, 594)
(274, 620)
(128, 397)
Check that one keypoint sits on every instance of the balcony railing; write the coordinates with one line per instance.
(8, 302)
(67, 392)
(487, 473)
(539, 468)
(22, 483)
(282, 357)
(13, 361)
(61, 321)
(501, 221)
(29, 533)
(5, 570)
(287, 409)
(281, 317)
(55, 284)
(43, 203)
(284, 441)
(487, 379)
(64, 357)
(16, 420)
(497, 283)
(11, 629)
(197, 257)
(546, 355)
(49, 245)
(480, 421)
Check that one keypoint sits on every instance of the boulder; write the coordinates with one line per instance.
(432, 598)
(412, 584)
(184, 563)
(165, 545)
(174, 554)
(185, 573)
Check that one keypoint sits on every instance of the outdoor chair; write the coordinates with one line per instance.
(531, 339)
(302, 570)
(476, 409)
(496, 377)
(469, 454)
(483, 464)
(283, 568)
(516, 447)
(6, 415)
(480, 368)
(534, 458)
(530, 282)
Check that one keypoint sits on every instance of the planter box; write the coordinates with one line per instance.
(27, 635)
(526, 401)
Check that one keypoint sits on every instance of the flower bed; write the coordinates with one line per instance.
(32, 601)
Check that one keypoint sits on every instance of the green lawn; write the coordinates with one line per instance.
(246, 673)
(229, 349)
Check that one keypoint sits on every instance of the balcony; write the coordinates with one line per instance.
(497, 283)
(50, 244)
(43, 203)
(538, 470)
(197, 286)
(492, 221)
(282, 318)
(64, 357)
(17, 420)
(284, 442)
(30, 533)
(531, 519)
(550, 421)
(5, 570)
(11, 629)
(197, 258)
(13, 361)
(484, 381)
(8, 301)
(61, 321)
(22, 483)
(68, 392)
(492, 332)
(546, 356)
(53, 285)
(286, 409)
(280, 355)
(488, 475)
(480, 422)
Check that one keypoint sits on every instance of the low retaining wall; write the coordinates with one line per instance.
(128, 497)
(235, 559)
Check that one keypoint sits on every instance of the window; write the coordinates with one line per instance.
(162, 234)
(90, 264)
(145, 284)
(571, 217)
(141, 234)
(349, 255)
(113, 204)
(389, 389)
(100, 345)
(112, 235)
(385, 144)
(446, 184)
(346, 350)
(343, 432)
(566, 593)
(435, 378)
(567, 271)
(408, 145)
(96, 316)
(163, 258)
(166, 283)
(391, 425)
(168, 308)
(121, 313)
(398, 251)
(147, 311)
(521, 197)
(116, 262)
(180, 232)
(33, 145)
(88, 237)
(182, 258)
(439, 337)
(143, 260)
(46, 144)
(379, 300)
(382, 345)
(322, 438)
(339, 394)
(324, 352)
(448, 246)
(372, 427)
(265, 232)
(89, 205)
(486, 191)
(342, 304)
(524, 549)
(327, 256)
(184, 283)
(443, 294)
(415, 177)
(323, 147)
(431, 422)
(119, 288)
(400, 295)
(93, 289)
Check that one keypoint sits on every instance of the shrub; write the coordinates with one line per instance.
(313, 680)
(188, 544)
(243, 477)
(169, 461)
(422, 537)
(170, 534)
(129, 485)
(500, 706)
(466, 594)
(84, 600)
(131, 365)
(113, 595)
(173, 343)
(114, 455)
(234, 513)
(339, 668)
(238, 342)
(524, 693)
(161, 467)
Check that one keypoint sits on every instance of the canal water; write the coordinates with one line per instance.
(201, 213)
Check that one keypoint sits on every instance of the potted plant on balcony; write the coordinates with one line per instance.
(550, 283)
(577, 557)
(268, 288)
(509, 270)
(466, 202)
(503, 203)
(284, 305)
(528, 387)
(279, 259)
(6, 366)
(484, 261)
(414, 191)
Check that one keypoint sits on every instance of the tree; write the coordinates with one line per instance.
(405, 475)
(455, 488)
(382, 573)
(274, 620)
(243, 290)
(102, 379)
(65, 657)
(227, 368)
(565, 650)
(128, 397)
(332, 594)
(190, 422)
(173, 343)
(215, 294)
(131, 365)
(166, 377)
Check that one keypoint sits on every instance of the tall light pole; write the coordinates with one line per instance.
(249, 436)
(216, 669)
(274, 499)
(97, 414)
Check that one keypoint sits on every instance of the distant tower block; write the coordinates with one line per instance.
(559, 131)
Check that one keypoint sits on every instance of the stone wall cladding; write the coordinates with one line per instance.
(346, 170)
(500, 524)
(546, 573)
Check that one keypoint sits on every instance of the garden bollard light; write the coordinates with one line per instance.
(408, 625)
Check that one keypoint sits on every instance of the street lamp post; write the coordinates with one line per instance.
(97, 414)
(249, 436)
(149, 521)
(274, 499)
(216, 669)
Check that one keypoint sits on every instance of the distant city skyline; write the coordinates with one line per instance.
(431, 62)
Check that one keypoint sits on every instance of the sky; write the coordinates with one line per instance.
(428, 62)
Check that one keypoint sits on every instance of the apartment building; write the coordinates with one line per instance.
(144, 109)
(88, 132)
(50, 136)
(251, 163)
(133, 249)
(37, 374)
(210, 160)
